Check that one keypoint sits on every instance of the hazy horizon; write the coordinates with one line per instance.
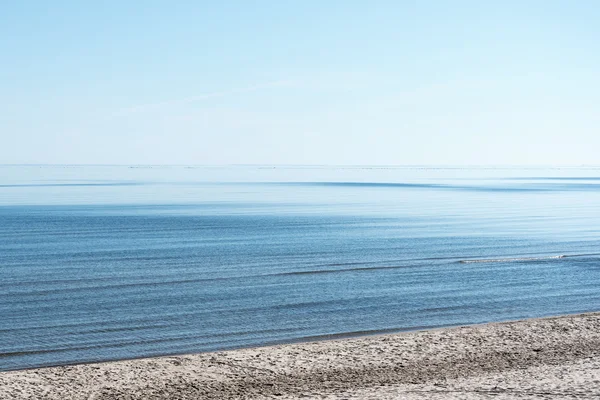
(524, 166)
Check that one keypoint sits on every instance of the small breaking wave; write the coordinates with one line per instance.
(511, 259)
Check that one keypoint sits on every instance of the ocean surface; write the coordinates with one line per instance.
(113, 262)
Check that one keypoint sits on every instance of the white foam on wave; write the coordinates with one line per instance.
(513, 259)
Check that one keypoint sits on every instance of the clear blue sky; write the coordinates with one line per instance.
(300, 82)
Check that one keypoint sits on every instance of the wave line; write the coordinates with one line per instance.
(511, 259)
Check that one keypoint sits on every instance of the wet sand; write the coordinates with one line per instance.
(545, 358)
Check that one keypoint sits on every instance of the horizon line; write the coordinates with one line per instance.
(301, 165)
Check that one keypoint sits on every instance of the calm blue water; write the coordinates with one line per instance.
(103, 263)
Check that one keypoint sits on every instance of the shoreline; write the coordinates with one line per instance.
(304, 340)
(412, 364)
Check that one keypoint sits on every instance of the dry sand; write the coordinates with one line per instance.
(548, 358)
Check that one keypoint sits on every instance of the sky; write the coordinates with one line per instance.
(300, 82)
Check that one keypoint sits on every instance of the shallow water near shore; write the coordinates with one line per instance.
(111, 262)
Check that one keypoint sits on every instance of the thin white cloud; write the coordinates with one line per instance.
(224, 93)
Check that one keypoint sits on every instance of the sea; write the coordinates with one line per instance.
(103, 262)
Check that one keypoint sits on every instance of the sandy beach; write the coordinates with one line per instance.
(557, 357)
